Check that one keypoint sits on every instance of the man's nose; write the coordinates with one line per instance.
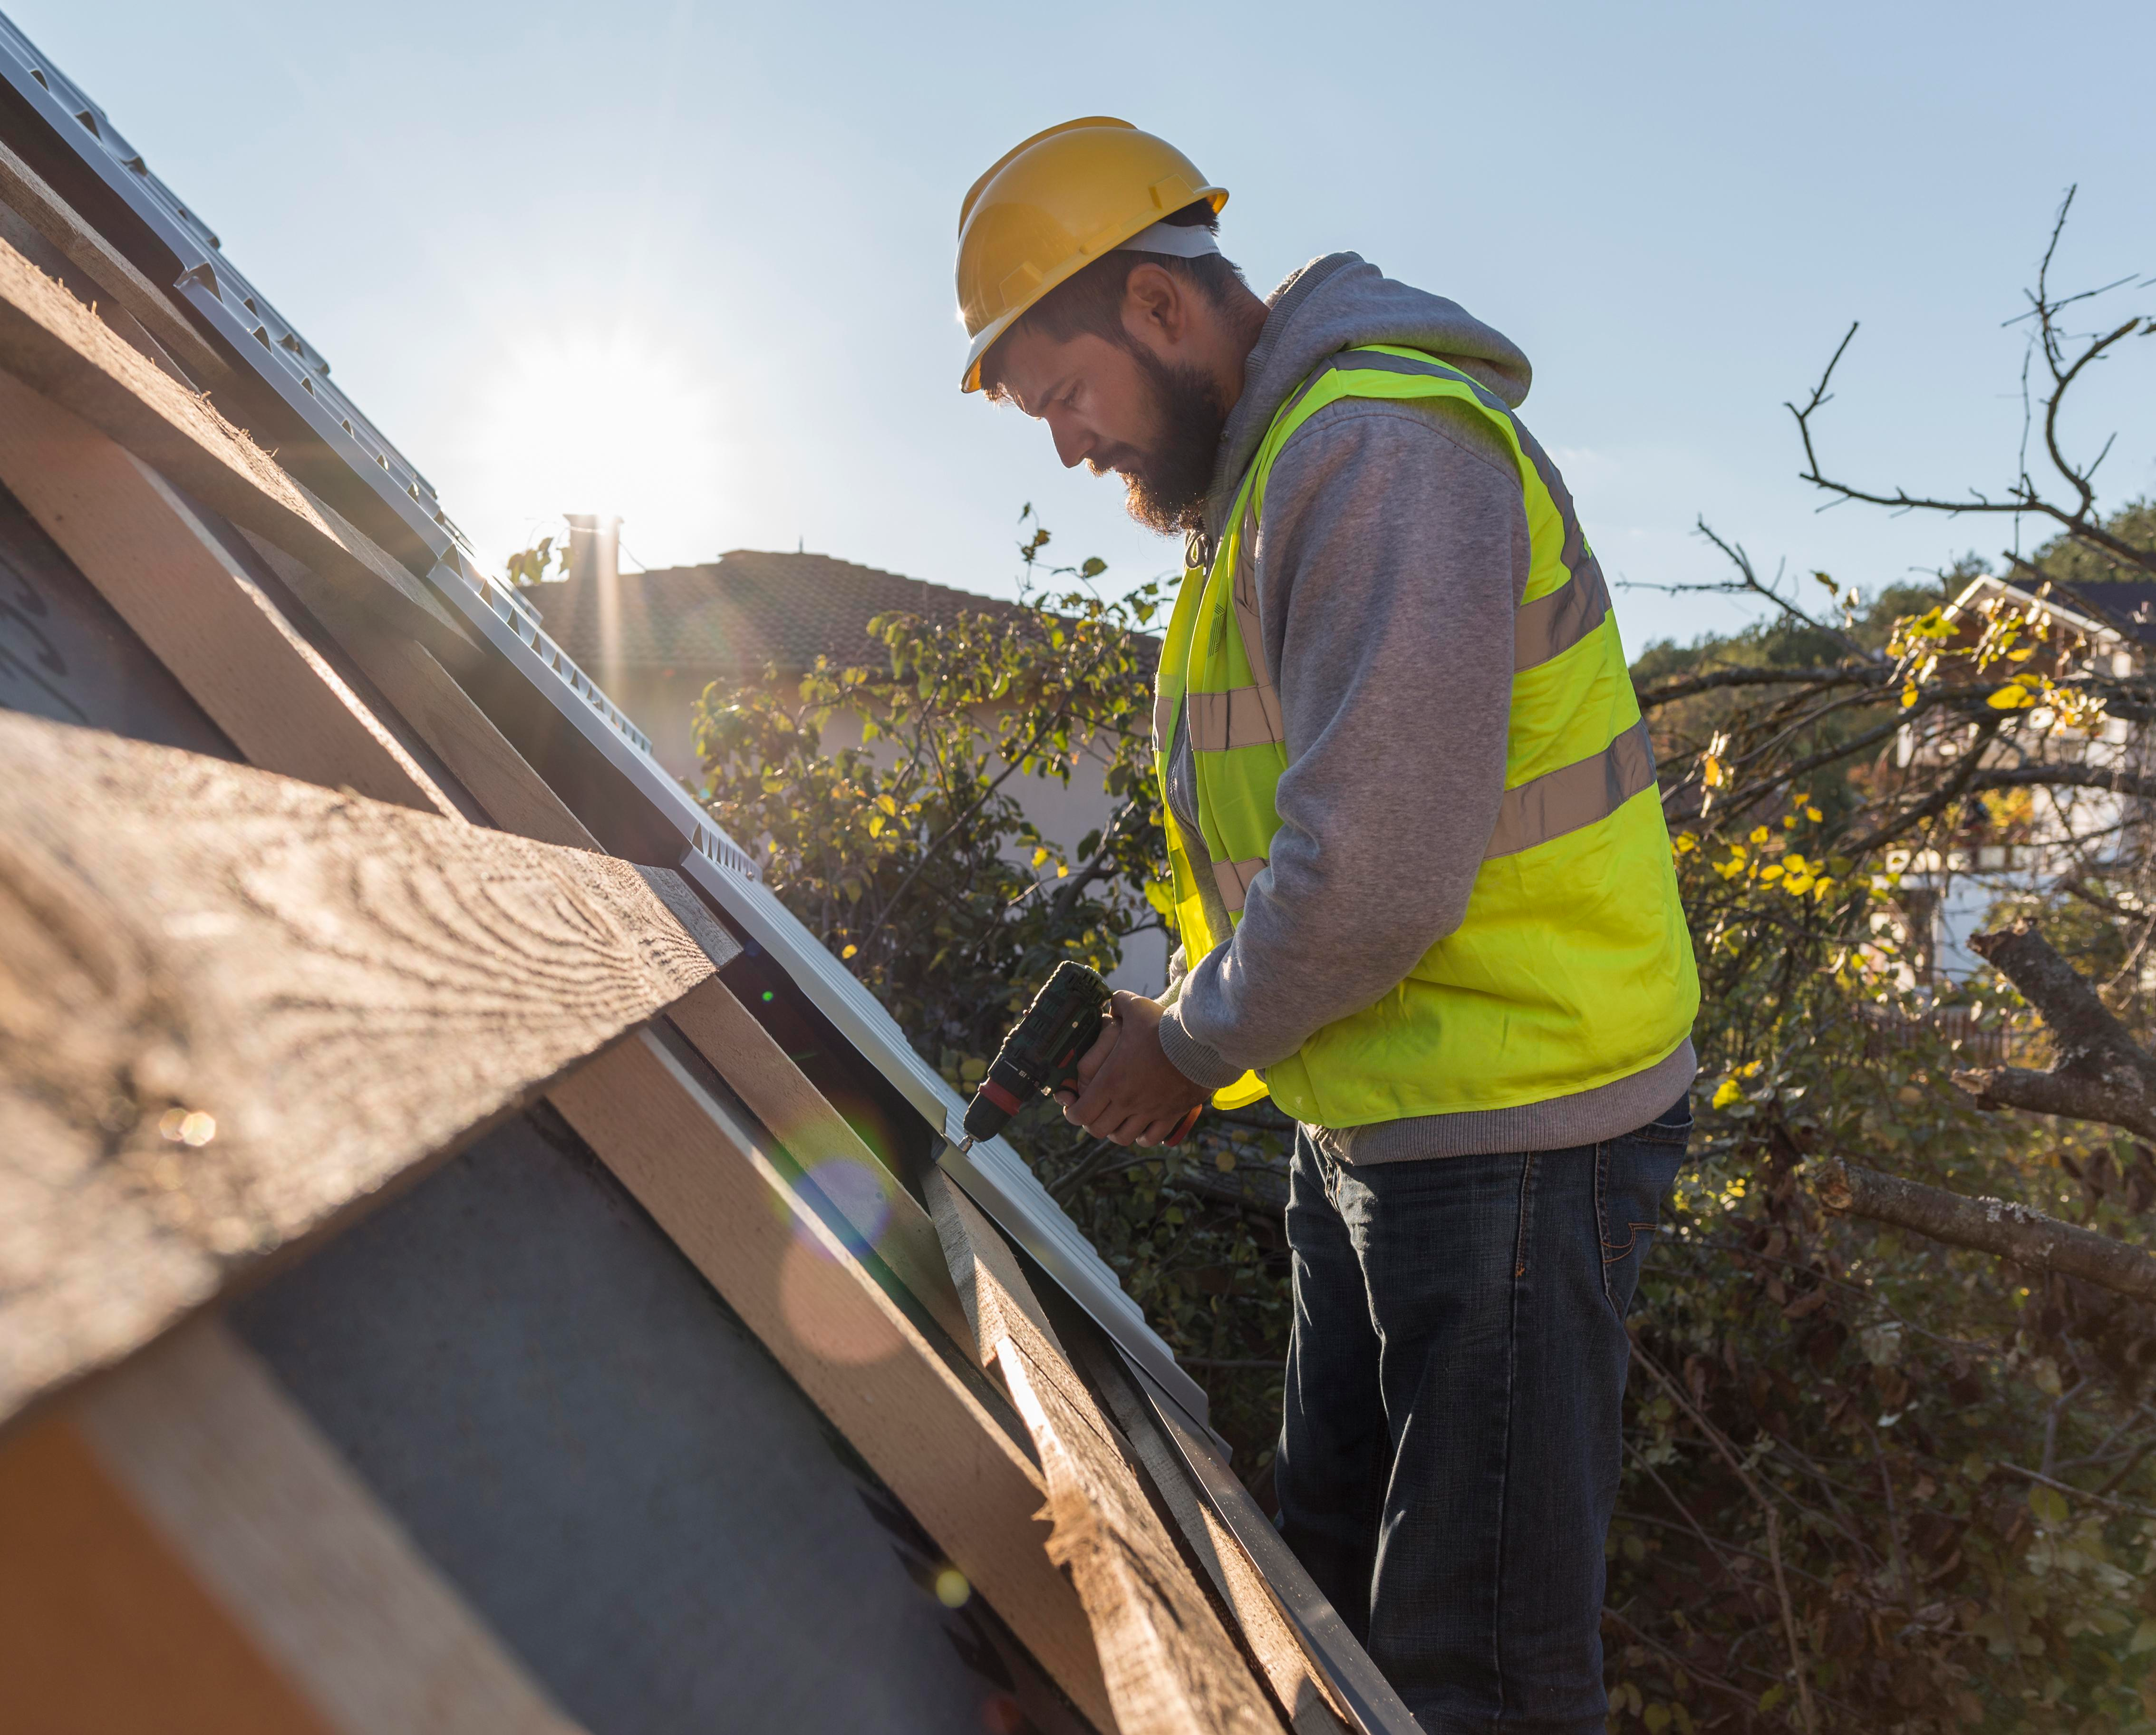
(1073, 443)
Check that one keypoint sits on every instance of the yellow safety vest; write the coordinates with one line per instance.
(1573, 966)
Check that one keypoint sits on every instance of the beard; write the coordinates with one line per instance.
(1165, 489)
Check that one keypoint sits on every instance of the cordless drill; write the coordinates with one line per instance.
(1043, 1051)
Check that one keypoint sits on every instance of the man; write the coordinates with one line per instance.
(1422, 883)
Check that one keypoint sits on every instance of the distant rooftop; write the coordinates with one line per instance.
(735, 616)
(2128, 604)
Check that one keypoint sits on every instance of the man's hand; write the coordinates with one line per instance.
(1129, 1091)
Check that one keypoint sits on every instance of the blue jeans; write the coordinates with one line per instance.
(1449, 1456)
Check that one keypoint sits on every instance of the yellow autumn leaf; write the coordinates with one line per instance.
(1039, 855)
(2011, 697)
(849, 951)
(1730, 1091)
(1711, 771)
(1908, 694)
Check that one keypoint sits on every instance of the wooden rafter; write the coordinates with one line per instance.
(232, 1004)
(1171, 1667)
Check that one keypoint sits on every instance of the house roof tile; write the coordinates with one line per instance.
(735, 616)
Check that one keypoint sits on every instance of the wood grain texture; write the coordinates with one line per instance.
(51, 342)
(883, 1214)
(1297, 1683)
(1325, 1638)
(273, 1522)
(696, 920)
(345, 987)
(726, 1204)
(104, 1627)
(1171, 1666)
(437, 709)
(157, 564)
(27, 193)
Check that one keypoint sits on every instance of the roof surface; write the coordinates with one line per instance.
(2128, 604)
(746, 610)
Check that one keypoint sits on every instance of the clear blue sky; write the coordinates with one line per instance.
(691, 263)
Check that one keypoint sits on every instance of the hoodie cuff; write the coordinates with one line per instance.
(1197, 1061)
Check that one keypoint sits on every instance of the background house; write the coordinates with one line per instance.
(2029, 842)
(656, 639)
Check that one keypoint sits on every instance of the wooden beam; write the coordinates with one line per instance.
(437, 709)
(726, 1204)
(233, 1006)
(883, 1214)
(1354, 1678)
(272, 1520)
(103, 1625)
(51, 342)
(27, 193)
(148, 555)
(1171, 1666)
(1312, 1706)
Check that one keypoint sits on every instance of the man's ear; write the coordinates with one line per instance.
(1155, 308)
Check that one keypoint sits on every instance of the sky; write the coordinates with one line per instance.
(691, 263)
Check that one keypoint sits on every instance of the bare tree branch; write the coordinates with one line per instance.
(1988, 1226)
(2102, 1074)
(2078, 521)
(1686, 686)
(2063, 776)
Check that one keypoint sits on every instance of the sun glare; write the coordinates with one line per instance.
(596, 422)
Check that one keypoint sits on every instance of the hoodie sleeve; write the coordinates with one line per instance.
(1393, 555)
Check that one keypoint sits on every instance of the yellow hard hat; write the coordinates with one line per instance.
(1053, 206)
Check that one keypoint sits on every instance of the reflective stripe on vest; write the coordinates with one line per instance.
(1537, 811)
(1573, 795)
(1238, 718)
(1234, 879)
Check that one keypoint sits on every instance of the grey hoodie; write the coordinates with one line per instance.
(1391, 559)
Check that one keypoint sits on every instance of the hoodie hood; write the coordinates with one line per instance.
(1333, 304)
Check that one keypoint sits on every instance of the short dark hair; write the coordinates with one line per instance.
(1092, 301)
